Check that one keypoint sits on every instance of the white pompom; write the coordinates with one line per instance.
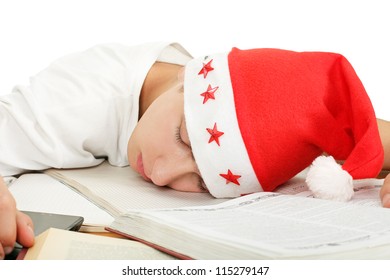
(327, 180)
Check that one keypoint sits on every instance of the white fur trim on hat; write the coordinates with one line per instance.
(209, 107)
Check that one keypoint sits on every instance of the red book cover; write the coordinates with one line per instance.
(158, 247)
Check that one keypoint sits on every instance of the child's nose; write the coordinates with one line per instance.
(167, 170)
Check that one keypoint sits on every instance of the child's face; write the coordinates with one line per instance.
(159, 148)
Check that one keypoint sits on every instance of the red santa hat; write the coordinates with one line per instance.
(256, 118)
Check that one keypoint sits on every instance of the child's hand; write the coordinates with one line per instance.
(14, 225)
(385, 192)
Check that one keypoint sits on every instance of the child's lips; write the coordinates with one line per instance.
(140, 168)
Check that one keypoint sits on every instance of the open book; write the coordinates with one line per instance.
(102, 193)
(57, 244)
(264, 226)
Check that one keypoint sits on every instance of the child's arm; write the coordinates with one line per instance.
(14, 225)
(384, 131)
(385, 192)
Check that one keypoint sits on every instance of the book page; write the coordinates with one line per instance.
(118, 189)
(275, 225)
(41, 193)
(8, 180)
(55, 244)
(366, 191)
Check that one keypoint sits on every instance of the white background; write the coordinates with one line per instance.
(33, 33)
(278, 269)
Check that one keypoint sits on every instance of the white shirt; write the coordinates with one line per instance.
(80, 110)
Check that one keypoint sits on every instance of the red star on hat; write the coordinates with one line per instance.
(206, 69)
(215, 134)
(209, 93)
(231, 178)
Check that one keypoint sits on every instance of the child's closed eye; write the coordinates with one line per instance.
(178, 137)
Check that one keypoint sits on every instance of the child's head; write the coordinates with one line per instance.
(253, 119)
